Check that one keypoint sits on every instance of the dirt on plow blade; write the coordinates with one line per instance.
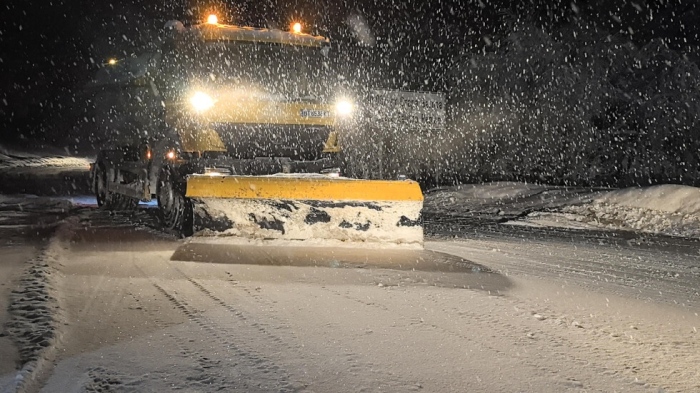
(307, 207)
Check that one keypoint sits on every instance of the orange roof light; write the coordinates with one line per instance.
(112, 61)
(296, 28)
(212, 19)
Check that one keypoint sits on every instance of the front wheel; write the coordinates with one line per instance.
(174, 209)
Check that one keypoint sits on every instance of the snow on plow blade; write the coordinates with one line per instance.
(307, 207)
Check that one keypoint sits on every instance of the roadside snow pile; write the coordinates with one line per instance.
(667, 209)
(43, 162)
(502, 198)
(19, 159)
(34, 309)
(667, 198)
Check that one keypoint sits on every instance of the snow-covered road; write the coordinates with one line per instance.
(498, 311)
(503, 299)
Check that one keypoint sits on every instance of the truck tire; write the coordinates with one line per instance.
(124, 203)
(174, 209)
(107, 199)
(101, 193)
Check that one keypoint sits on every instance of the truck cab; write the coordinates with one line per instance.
(216, 99)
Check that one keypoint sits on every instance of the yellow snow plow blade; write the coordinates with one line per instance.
(307, 207)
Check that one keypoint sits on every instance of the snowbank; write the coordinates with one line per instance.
(667, 209)
(10, 158)
(666, 198)
(44, 162)
(43, 172)
(502, 198)
(35, 317)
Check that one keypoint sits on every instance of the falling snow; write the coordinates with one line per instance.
(557, 144)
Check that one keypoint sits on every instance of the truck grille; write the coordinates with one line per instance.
(298, 142)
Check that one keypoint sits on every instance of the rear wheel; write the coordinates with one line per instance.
(101, 193)
(124, 203)
(174, 210)
(108, 199)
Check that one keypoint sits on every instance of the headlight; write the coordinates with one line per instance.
(344, 107)
(201, 101)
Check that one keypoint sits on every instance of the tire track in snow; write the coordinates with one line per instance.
(263, 368)
(353, 364)
(236, 312)
(305, 351)
(289, 344)
(206, 368)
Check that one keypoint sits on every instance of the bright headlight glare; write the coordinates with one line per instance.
(344, 107)
(201, 101)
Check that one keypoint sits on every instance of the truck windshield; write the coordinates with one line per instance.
(293, 71)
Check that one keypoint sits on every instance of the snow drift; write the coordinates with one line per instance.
(666, 198)
(506, 199)
(11, 158)
(672, 210)
(666, 209)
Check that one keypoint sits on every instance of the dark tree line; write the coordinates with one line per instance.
(574, 105)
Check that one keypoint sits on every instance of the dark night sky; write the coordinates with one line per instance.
(50, 47)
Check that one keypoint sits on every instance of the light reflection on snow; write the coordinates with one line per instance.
(91, 201)
(152, 204)
(80, 200)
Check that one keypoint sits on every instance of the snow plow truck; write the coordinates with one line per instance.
(239, 131)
